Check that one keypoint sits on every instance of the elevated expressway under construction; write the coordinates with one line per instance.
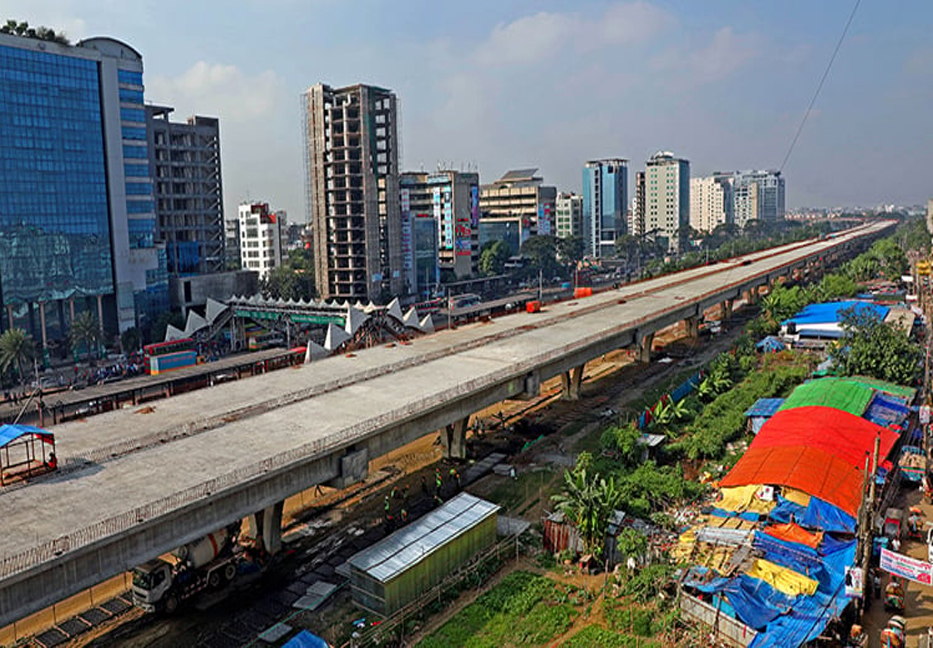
(137, 482)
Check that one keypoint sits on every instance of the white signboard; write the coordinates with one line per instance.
(913, 569)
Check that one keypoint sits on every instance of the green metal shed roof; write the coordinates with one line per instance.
(838, 393)
(406, 547)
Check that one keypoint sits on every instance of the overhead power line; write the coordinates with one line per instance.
(820, 86)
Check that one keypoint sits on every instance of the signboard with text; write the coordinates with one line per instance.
(919, 571)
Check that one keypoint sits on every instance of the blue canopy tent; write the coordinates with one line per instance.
(25, 451)
(305, 639)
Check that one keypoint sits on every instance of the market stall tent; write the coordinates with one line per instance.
(25, 451)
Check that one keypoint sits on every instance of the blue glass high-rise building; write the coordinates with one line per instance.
(605, 200)
(77, 219)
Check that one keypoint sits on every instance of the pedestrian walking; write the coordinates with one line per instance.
(424, 485)
(387, 504)
(404, 516)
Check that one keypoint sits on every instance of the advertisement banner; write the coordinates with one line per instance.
(854, 581)
(913, 569)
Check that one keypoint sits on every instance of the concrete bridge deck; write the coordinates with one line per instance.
(137, 482)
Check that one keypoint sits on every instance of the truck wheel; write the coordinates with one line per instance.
(213, 579)
(230, 573)
(171, 604)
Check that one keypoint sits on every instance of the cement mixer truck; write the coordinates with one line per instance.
(209, 564)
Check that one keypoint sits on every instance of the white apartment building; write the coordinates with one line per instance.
(569, 219)
(710, 202)
(261, 238)
(667, 198)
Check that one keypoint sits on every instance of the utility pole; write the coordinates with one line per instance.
(540, 285)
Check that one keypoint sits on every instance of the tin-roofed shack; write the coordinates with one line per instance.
(401, 567)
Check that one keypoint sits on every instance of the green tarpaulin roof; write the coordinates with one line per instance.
(887, 387)
(838, 393)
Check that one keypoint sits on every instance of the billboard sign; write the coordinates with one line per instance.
(854, 583)
(913, 569)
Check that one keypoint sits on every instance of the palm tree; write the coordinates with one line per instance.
(85, 330)
(16, 347)
(588, 504)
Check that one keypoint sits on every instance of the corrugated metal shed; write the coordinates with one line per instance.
(399, 568)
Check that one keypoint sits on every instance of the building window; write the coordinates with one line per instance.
(130, 78)
(131, 96)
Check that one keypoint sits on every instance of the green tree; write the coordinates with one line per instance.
(541, 253)
(161, 323)
(16, 347)
(131, 339)
(872, 347)
(834, 286)
(493, 258)
(85, 331)
(623, 439)
(588, 501)
(570, 250)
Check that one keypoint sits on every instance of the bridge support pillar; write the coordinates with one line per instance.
(692, 327)
(266, 525)
(725, 310)
(453, 439)
(751, 295)
(570, 382)
(644, 348)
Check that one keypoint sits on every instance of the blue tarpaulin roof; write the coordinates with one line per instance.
(887, 410)
(305, 639)
(816, 515)
(770, 344)
(766, 407)
(810, 614)
(830, 312)
(10, 433)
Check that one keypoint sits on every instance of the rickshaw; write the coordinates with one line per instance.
(857, 637)
(894, 595)
(893, 635)
(893, 521)
(915, 523)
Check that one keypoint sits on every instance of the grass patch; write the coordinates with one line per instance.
(598, 637)
(523, 610)
(512, 494)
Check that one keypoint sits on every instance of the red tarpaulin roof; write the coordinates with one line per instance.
(812, 470)
(842, 434)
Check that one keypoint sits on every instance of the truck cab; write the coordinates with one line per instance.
(151, 584)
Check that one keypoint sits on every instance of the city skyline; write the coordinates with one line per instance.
(540, 84)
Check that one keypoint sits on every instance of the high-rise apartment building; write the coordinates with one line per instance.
(711, 202)
(351, 153)
(637, 226)
(184, 158)
(568, 220)
(77, 219)
(758, 195)
(516, 207)
(667, 199)
(605, 199)
(451, 198)
(261, 236)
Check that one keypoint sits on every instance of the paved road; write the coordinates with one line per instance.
(140, 455)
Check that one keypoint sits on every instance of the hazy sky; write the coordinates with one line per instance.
(501, 85)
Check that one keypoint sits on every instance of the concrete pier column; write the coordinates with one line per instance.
(692, 327)
(751, 295)
(570, 382)
(9, 315)
(725, 309)
(42, 325)
(453, 439)
(100, 312)
(266, 525)
(644, 348)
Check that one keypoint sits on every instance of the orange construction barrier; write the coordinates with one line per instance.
(582, 292)
(533, 306)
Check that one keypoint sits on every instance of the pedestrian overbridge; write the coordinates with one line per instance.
(143, 480)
